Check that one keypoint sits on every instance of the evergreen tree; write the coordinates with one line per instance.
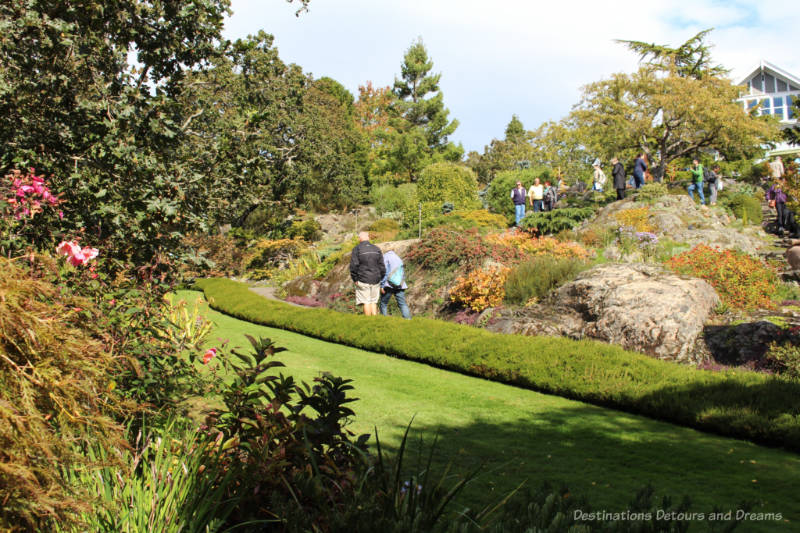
(420, 102)
(515, 131)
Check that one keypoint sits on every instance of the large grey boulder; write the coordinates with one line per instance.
(637, 306)
(793, 257)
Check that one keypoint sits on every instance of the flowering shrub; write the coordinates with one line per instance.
(447, 248)
(630, 240)
(480, 289)
(636, 218)
(540, 245)
(31, 195)
(742, 281)
(29, 212)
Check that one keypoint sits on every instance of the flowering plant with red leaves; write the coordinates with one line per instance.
(742, 281)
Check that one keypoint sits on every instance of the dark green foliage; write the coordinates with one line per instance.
(740, 404)
(74, 108)
(540, 276)
(549, 222)
(692, 59)
(743, 205)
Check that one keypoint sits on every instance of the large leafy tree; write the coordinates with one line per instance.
(268, 135)
(692, 59)
(74, 106)
(670, 108)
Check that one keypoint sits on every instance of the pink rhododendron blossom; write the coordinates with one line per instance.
(76, 255)
(209, 355)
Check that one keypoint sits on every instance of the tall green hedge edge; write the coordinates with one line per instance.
(760, 408)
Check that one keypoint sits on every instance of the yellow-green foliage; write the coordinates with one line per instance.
(482, 218)
(442, 183)
(635, 218)
(739, 404)
(383, 229)
(55, 395)
(267, 255)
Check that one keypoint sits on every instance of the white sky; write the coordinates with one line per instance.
(528, 58)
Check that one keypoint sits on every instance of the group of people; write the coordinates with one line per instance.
(540, 197)
(378, 276)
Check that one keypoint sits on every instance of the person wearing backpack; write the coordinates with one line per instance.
(550, 196)
(697, 181)
(394, 283)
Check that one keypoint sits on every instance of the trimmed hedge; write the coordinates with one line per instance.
(761, 408)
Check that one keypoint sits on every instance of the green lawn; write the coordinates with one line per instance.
(522, 435)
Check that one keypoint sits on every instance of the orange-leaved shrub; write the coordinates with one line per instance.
(481, 288)
(534, 246)
(742, 281)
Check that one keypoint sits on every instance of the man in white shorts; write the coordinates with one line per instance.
(367, 270)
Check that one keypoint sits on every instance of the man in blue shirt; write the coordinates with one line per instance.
(518, 197)
(388, 288)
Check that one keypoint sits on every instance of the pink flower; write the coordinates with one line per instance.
(210, 354)
(89, 253)
(76, 255)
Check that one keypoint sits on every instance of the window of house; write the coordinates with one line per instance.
(765, 107)
(777, 106)
(781, 86)
(755, 83)
(769, 83)
(789, 109)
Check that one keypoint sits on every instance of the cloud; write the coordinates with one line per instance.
(513, 57)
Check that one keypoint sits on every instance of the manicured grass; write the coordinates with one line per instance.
(761, 408)
(523, 435)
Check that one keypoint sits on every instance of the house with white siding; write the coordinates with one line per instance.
(772, 91)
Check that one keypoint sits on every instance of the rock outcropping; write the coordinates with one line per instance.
(639, 307)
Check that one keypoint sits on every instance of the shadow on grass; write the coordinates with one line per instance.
(607, 459)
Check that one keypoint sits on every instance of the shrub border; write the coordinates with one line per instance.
(760, 408)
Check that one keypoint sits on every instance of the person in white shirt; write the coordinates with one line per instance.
(599, 179)
(536, 195)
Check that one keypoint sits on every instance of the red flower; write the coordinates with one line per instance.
(209, 355)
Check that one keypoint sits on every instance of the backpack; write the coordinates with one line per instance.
(395, 277)
(550, 196)
(708, 176)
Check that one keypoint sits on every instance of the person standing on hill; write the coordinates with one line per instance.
(697, 181)
(599, 179)
(536, 195)
(776, 170)
(618, 174)
(550, 196)
(518, 197)
(777, 199)
(639, 168)
(394, 284)
(367, 270)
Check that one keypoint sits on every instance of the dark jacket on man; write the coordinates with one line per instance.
(618, 172)
(366, 264)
